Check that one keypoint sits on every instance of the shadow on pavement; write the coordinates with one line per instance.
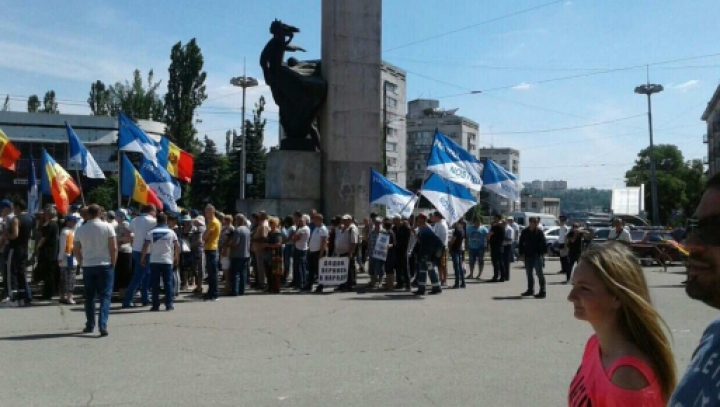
(510, 297)
(35, 337)
(668, 286)
(558, 283)
(387, 297)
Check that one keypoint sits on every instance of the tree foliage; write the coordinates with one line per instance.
(137, 100)
(105, 194)
(33, 104)
(100, 100)
(207, 180)
(256, 152)
(679, 183)
(185, 93)
(50, 106)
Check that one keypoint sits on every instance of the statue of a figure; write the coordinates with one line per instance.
(297, 87)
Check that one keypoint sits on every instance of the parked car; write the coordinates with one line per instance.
(653, 246)
(600, 235)
(552, 234)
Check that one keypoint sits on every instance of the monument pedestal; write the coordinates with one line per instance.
(292, 183)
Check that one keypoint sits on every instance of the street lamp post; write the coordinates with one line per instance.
(243, 82)
(648, 89)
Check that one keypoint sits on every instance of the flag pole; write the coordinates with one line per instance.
(82, 193)
(119, 180)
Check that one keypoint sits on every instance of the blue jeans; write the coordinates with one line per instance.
(376, 268)
(98, 281)
(211, 268)
(477, 255)
(141, 276)
(426, 267)
(534, 263)
(238, 274)
(164, 271)
(456, 258)
(299, 268)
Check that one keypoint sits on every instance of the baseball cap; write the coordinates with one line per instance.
(346, 217)
(5, 203)
(200, 220)
(378, 220)
(186, 218)
(71, 218)
(510, 218)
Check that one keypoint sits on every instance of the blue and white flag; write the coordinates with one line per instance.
(33, 195)
(159, 180)
(501, 181)
(133, 138)
(451, 199)
(79, 154)
(452, 162)
(384, 192)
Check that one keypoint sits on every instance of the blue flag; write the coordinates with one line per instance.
(452, 162)
(384, 192)
(79, 154)
(133, 138)
(33, 195)
(159, 180)
(501, 181)
(451, 199)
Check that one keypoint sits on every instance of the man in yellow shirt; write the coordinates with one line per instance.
(211, 238)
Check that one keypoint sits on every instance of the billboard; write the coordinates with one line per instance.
(628, 201)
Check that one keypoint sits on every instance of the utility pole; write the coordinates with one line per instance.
(244, 82)
(648, 89)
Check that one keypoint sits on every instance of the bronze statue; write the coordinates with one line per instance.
(297, 87)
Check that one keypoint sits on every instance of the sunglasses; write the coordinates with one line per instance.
(706, 229)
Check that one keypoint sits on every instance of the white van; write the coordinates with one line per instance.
(546, 220)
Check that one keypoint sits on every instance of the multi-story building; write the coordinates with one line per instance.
(551, 206)
(394, 102)
(33, 132)
(555, 186)
(711, 116)
(509, 159)
(423, 118)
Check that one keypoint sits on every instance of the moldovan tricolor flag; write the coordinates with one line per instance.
(56, 182)
(177, 162)
(8, 153)
(133, 185)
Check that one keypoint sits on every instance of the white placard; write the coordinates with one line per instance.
(380, 251)
(333, 271)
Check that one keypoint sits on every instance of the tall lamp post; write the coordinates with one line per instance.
(648, 89)
(243, 82)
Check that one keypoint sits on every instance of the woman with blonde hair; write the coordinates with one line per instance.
(628, 361)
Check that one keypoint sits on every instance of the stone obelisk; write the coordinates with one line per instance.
(350, 123)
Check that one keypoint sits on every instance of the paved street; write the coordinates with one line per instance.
(479, 346)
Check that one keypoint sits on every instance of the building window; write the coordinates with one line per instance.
(391, 87)
(391, 161)
(533, 205)
(391, 132)
(503, 162)
(392, 175)
(391, 102)
(391, 146)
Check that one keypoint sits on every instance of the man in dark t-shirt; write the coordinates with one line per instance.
(456, 244)
(496, 238)
(18, 240)
(47, 253)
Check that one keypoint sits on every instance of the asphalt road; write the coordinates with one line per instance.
(482, 346)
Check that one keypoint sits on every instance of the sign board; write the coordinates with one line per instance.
(20, 181)
(380, 251)
(333, 271)
(628, 201)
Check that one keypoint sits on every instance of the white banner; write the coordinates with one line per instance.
(380, 251)
(333, 271)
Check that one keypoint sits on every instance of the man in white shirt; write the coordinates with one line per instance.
(317, 250)
(347, 240)
(161, 243)
(441, 231)
(619, 232)
(508, 255)
(516, 235)
(301, 238)
(139, 227)
(96, 249)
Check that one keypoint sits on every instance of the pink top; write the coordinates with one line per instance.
(592, 386)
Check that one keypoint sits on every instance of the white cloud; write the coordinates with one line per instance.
(569, 3)
(686, 86)
(522, 86)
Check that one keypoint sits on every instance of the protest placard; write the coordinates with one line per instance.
(380, 251)
(333, 271)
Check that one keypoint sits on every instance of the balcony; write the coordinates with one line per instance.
(705, 138)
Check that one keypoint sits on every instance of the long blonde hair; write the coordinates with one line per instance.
(640, 323)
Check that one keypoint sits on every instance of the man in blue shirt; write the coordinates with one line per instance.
(430, 250)
(476, 240)
(699, 385)
(161, 243)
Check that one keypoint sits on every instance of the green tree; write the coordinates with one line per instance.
(232, 180)
(207, 181)
(185, 93)
(50, 106)
(104, 194)
(256, 153)
(33, 104)
(6, 104)
(137, 100)
(100, 100)
(679, 183)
